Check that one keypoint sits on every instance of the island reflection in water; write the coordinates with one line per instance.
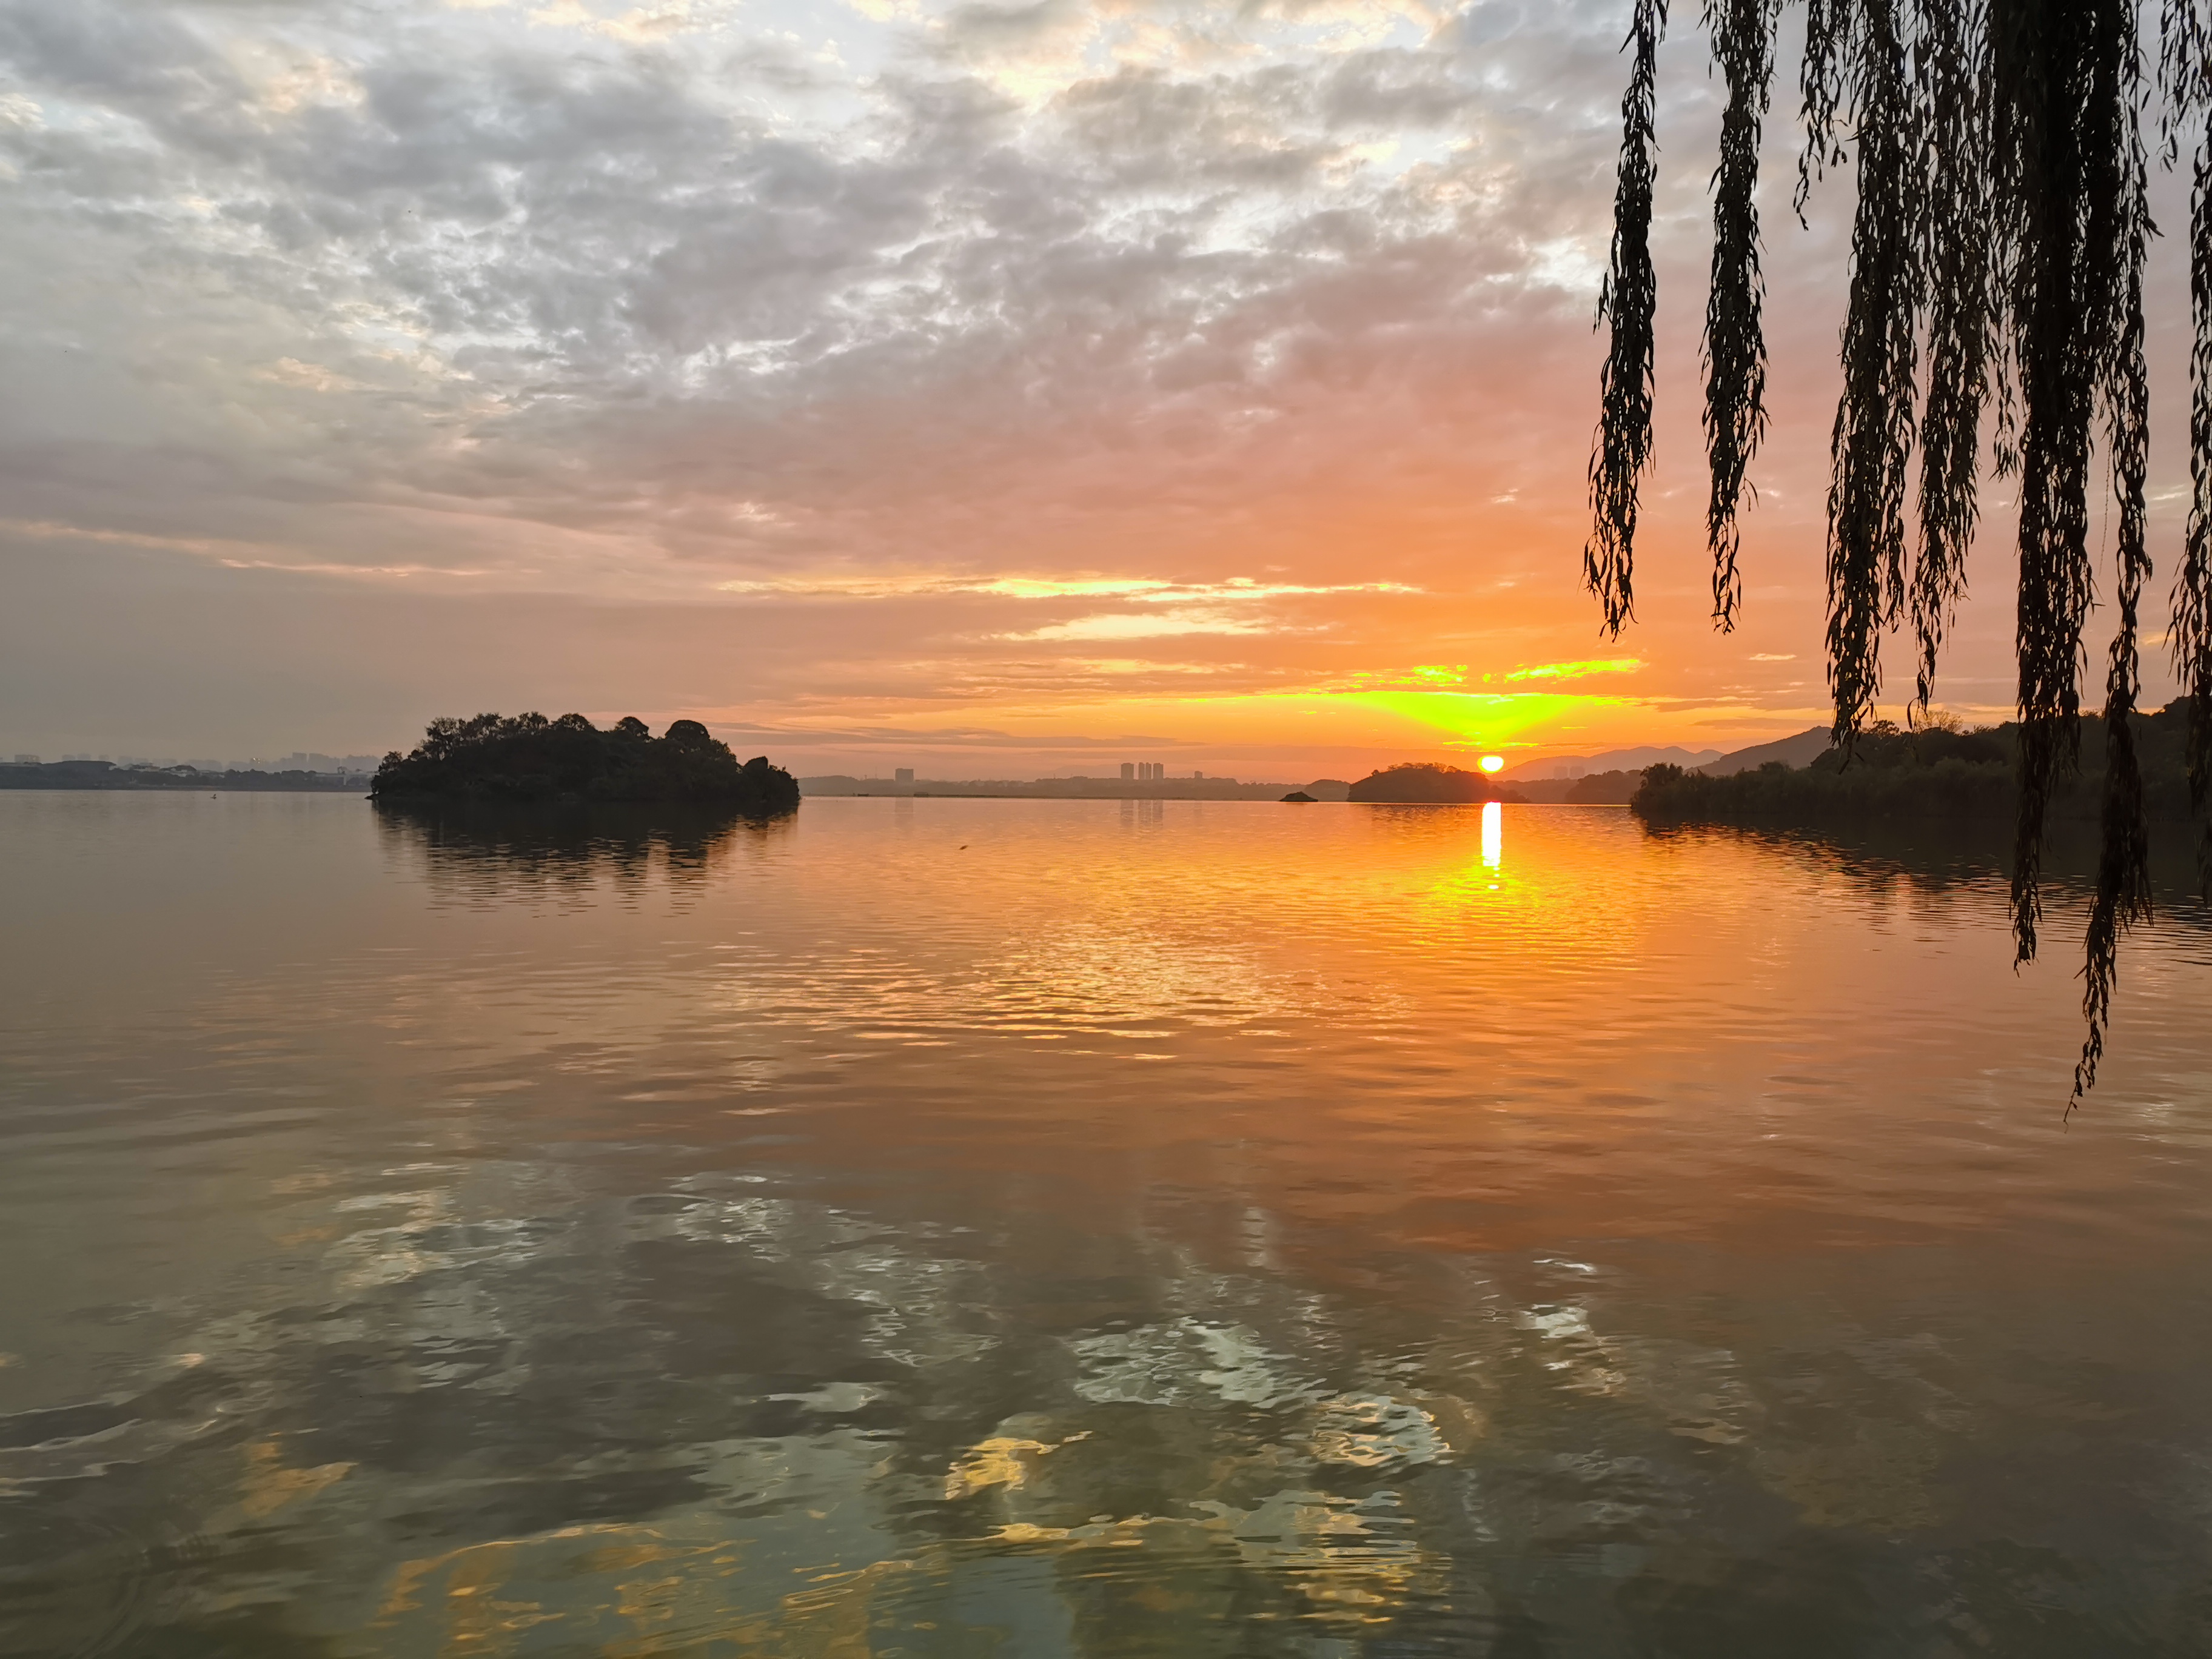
(941, 1227)
(490, 852)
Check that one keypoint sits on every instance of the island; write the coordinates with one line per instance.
(529, 758)
(1424, 783)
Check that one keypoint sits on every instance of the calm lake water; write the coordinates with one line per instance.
(949, 1227)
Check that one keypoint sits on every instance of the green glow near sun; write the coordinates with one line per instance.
(1481, 718)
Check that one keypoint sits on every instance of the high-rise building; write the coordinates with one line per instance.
(1128, 772)
(904, 775)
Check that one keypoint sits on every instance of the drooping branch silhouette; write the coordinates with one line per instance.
(1630, 298)
(1736, 344)
(1997, 245)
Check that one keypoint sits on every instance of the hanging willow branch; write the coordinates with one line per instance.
(1872, 446)
(1736, 344)
(1955, 255)
(1631, 298)
(1998, 243)
(2193, 592)
(2186, 77)
(2120, 220)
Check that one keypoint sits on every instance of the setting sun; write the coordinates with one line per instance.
(1493, 763)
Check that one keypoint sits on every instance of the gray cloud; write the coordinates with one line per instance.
(502, 267)
(628, 312)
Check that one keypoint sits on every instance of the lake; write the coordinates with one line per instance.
(1054, 1227)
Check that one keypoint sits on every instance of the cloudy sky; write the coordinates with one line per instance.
(989, 388)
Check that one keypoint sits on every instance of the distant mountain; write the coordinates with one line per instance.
(1803, 750)
(1614, 760)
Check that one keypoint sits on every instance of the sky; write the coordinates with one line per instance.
(993, 389)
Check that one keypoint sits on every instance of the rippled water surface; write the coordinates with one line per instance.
(948, 1227)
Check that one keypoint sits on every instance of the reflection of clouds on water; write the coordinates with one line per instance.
(919, 1310)
(1375, 1432)
(1695, 1391)
(1097, 980)
(1098, 976)
(859, 1417)
(1352, 1558)
(820, 1365)
(600, 1278)
(1182, 1363)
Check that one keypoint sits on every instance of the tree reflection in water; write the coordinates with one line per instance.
(1937, 856)
(482, 854)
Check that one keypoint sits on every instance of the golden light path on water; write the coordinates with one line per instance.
(1074, 1228)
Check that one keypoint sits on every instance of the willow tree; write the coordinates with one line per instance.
(1997, 269)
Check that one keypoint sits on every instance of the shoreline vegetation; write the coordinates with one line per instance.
(107, 775)
(1935, 774)
(1944, 773)
(527, 759)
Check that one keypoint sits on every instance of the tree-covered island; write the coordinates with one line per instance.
(1424, 783)
(528, 757)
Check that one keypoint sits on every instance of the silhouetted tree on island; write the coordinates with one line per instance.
(528, 757)
(1425, 783)
(1998, 245)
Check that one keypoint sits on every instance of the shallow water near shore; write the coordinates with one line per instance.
(1039, 1227)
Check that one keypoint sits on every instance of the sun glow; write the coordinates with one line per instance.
(1480, 719)
(1493, 763)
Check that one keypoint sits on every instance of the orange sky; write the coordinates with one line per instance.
(988, 390)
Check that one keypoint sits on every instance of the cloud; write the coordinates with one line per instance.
(1126, 626)
(1577, 671)
(939, 342)
(575, 285)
